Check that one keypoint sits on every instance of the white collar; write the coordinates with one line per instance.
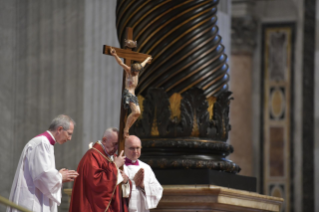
(51, 135)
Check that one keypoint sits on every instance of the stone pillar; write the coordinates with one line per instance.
(316, 153)
(7, 157)
(244, 27)
(308, 110)
(102, 74)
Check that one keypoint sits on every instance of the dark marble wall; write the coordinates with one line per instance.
(308, 180)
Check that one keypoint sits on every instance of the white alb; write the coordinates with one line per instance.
(37, 183)
(143, 201)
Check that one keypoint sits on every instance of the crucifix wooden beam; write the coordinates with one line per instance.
(128, 56)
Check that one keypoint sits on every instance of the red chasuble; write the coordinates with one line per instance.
(95, 188)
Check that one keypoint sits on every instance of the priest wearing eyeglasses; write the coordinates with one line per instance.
(146, 190)
(37, 183)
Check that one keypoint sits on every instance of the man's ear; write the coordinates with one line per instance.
(104, 139)
(60, 128)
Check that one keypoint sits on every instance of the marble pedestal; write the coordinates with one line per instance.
(212, 198)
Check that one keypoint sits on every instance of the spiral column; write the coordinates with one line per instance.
(183, 93)
(182, 37)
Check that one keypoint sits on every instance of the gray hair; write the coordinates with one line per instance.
(61, 120)
(109, 132)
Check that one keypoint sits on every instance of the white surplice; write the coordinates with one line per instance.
(140, 201)
(37, 183)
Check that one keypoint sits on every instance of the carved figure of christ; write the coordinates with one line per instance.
(128, 79)
(131, 81)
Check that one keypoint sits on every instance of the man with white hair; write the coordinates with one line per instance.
(97, 188)
(37, 183)
(146, 190)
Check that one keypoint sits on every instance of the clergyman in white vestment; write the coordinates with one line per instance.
(37, 183)
(146, 190)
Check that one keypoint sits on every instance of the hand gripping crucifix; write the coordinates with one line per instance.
(130, 81)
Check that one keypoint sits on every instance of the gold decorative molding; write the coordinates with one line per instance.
(175, 105)
(195, 130)
(211, 101)
(6, 202)
(68, 191)
(154, 131)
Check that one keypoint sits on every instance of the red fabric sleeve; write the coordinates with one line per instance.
(95, 187)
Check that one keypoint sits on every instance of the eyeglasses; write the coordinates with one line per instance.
(68, 132)
(135, 148)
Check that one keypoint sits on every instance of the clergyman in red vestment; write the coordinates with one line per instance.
(98, 186)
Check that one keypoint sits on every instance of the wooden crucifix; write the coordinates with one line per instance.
(130, 80)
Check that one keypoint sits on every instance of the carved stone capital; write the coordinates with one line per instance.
(244, 26)
(243, 35)
(188, 131)
(241, 8)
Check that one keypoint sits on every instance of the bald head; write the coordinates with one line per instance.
(132, 139)
(133, 147)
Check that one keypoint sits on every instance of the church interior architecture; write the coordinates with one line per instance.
(230, 91)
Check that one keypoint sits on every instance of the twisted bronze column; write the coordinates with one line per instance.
(183, 94)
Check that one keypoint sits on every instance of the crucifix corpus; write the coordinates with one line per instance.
(130, 81)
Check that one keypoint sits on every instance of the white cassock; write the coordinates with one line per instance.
(37, 183)
(140, 201)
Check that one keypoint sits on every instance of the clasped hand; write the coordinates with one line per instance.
(139, 178)
(68, 175)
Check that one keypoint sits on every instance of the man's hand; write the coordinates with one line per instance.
(125, 177)
(139, 178)
(68, 175)
(119, 161)
(113, 51)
